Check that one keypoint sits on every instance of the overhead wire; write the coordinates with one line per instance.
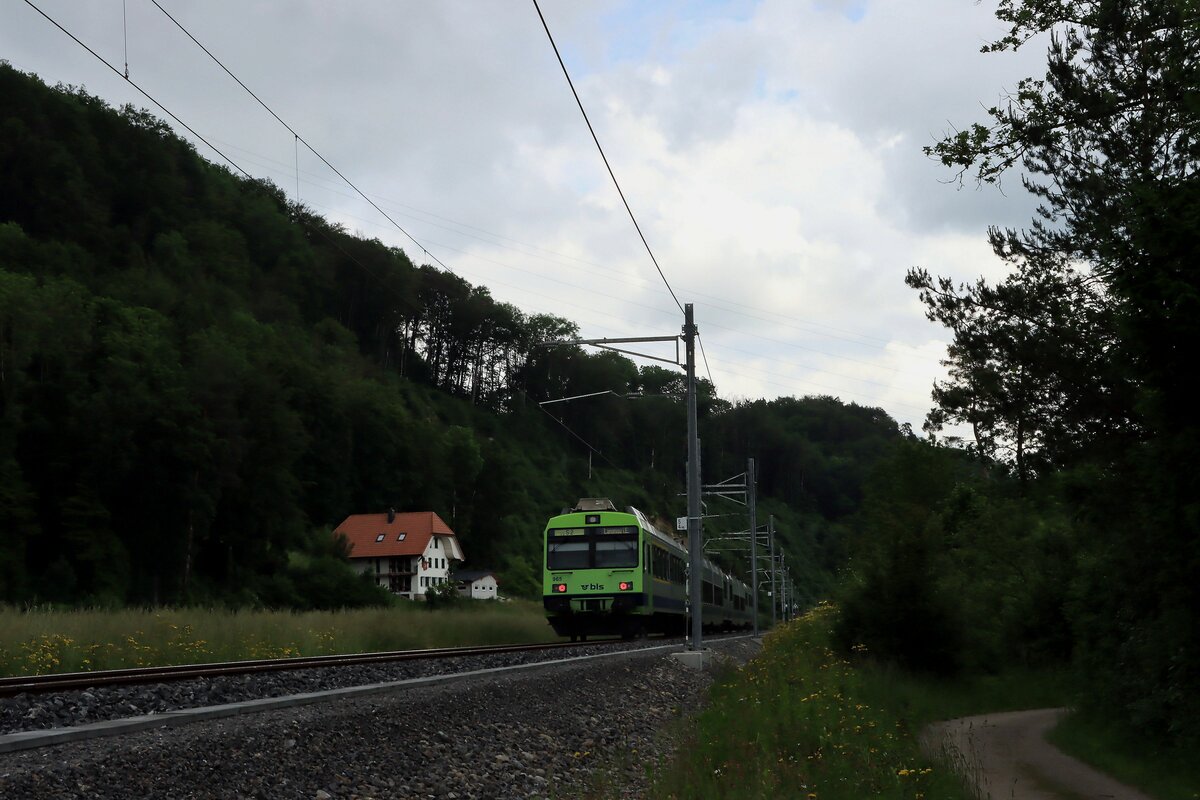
(132, 83)
(298, 137)
(704, 355)
(596, 139)
(576, 435)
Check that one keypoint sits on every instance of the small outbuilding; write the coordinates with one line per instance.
(477, 584)
(407, 553)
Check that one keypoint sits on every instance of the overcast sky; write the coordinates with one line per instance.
(770, 150)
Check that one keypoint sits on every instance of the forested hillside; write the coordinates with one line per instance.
(199, 379)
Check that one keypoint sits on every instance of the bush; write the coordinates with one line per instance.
(321, 583)
(895, 609)
(444, 595)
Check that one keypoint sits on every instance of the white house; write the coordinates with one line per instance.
(407, 553)
(476, 584)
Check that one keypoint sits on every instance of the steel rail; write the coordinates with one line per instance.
(39, 684)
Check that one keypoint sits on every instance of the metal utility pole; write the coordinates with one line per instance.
(786, 591)
(783, 585)
(695, 536)
(752, 502)
(771, 541)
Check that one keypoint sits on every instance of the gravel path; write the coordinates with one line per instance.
(1006, 755)
(539, 734)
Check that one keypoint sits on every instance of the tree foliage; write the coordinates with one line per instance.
(1081, 360)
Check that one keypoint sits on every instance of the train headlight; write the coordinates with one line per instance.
(625, 586)
(560, 587)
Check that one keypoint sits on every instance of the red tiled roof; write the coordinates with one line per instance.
(362, 530)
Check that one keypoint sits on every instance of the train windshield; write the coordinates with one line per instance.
(592, 548)
(568, 555)
(611, 553)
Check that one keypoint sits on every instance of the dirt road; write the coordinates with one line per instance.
(1007, 756)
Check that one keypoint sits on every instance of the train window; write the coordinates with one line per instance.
(567, 555)
(616, 553)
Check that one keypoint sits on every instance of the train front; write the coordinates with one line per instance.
(593, 582)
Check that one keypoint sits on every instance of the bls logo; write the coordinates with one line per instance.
(593, 587)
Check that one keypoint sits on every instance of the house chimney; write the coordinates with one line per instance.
(391, 515)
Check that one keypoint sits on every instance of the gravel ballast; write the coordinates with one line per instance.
(526, 734)
(28, 712)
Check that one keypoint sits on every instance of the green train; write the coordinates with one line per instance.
(608, 572)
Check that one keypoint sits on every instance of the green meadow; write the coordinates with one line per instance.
(41, 641)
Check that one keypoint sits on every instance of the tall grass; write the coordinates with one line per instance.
(923, 699)
(40, 641)
(1167, 774)
(801, 721)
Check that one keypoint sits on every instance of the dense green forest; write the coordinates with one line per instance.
(198, 380)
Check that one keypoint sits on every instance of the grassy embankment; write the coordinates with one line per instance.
(801, 721)
(40, 641)
(1163, 774)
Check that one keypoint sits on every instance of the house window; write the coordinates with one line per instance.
(436, 542)
(379, 538)
(400, 537)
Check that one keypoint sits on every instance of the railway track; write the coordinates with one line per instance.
(42, 684)
(511, 725)
(54, 709)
